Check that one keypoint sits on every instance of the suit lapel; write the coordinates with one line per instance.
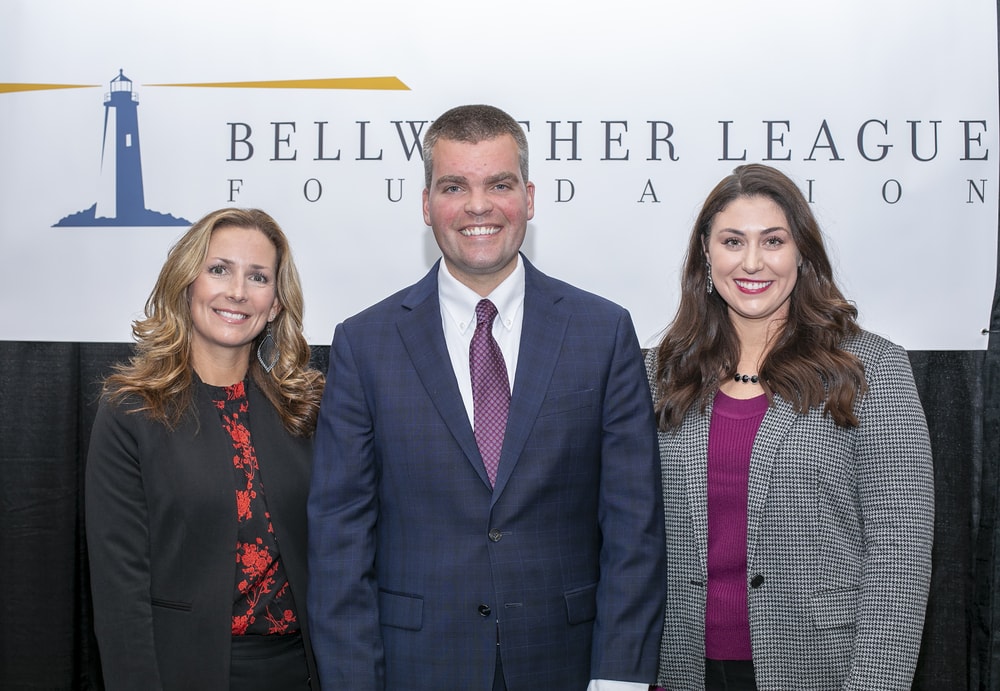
(542, 331)
(694, 450)
(423, 337)
(777, 420)
(278, 453)
(694, 446)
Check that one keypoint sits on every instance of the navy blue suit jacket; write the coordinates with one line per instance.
(419, 569)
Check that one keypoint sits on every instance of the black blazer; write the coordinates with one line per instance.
(161, 532)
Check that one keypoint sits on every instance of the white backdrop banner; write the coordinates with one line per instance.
(121, 123)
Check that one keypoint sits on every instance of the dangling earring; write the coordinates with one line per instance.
(710, 285)
(267, 351)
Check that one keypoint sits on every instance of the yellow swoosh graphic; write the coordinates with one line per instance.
(11, 88)
(379, 83)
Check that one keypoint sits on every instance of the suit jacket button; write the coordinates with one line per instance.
(484, 610)
(757, 581)
(495, 535)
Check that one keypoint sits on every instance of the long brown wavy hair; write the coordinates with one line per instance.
(806, 364)
(160, 374)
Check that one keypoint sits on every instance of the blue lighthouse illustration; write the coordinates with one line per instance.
(121, 200)
(121, 158)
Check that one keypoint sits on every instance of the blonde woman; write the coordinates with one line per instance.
(198, 471)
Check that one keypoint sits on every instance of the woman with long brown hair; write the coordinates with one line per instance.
(198, 472)
(797, 471)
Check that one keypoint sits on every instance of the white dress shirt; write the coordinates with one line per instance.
(458, 317)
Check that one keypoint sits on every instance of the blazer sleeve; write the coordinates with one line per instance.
(895, 481)
(631, 592)
(118, 547)
(342, 510)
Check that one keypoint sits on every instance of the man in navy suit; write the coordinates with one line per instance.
(428, 571)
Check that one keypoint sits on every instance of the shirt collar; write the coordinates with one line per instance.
(458, 301)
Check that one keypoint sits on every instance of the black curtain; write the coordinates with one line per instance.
(48, 396)
(49, 391)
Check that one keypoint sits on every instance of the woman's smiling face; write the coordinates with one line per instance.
(753, 257)
(234, 296)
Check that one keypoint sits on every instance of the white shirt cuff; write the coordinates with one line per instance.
(605, 685)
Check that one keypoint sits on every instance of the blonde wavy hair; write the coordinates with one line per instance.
(160, 374)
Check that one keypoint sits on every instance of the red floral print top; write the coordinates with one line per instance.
(262, 599)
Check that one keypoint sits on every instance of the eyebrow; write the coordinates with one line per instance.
(766, 231)
(501, 177)
(230, 262)
(505, 176)
(450, 180)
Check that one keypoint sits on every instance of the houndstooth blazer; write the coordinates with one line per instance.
(840, 526)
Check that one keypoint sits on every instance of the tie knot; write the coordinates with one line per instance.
(486, 312)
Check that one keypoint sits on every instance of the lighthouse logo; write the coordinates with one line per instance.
(121, 198)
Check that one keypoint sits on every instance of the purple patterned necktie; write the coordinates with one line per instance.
(490, 389)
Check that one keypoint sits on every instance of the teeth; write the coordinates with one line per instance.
(753, 285)
(231, 315)
(480, 230)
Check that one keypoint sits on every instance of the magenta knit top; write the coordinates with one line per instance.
(733, 427)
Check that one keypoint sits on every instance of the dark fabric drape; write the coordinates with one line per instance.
(950, 386)
(48, 395)
(985, 616)
(47, 403)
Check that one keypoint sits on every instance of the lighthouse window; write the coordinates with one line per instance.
(128, 139)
